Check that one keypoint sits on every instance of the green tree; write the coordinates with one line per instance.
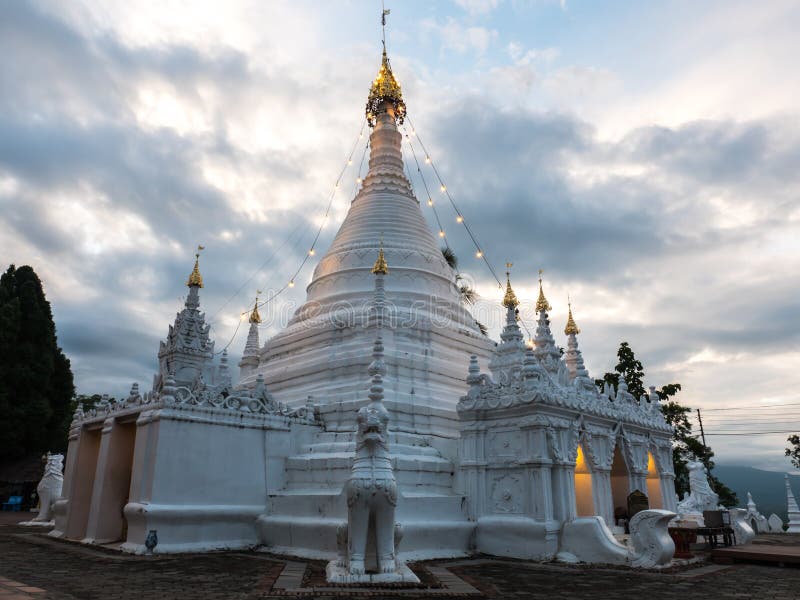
(793, 451)
(685, 445)
(36, 385)
(630, 368)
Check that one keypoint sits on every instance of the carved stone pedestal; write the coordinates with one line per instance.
(337, 573)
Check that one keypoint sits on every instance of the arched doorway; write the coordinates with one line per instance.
(654, 497)
(584, 500)
(620, 485)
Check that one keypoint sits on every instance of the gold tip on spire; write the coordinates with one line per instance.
(254, 316)
(571, 327)
(195, 279)
(510, 299)
(542, 304)
(380, 266)
(385, 89)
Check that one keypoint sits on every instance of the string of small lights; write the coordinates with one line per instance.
(303, 225)
(359, 179)
(233, 337)
(479, 253)
(312, 250)
(428, 193)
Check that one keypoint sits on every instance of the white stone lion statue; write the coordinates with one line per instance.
(49, 488)
(700, 497)
(371, 493)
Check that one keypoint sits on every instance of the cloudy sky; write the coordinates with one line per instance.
(645, 156)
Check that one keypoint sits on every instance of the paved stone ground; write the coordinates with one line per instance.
(34, 566)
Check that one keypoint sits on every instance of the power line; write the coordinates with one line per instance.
(750, 432)
(480, 253)
(753, 407)
(774, 419)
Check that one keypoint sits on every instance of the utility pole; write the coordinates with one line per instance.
(702, 433)
(703, 437)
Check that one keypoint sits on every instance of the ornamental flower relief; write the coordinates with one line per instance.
(506, 494)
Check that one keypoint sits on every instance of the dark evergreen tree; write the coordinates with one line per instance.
(685, 446)
(36, 385)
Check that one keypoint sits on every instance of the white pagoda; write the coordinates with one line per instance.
(527, 459)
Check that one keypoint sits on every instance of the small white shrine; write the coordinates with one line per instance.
(381, 381)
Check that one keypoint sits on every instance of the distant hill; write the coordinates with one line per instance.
(767, 487)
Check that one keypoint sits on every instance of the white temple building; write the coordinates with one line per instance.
(496, 448)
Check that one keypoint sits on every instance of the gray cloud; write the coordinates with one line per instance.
(678, 223)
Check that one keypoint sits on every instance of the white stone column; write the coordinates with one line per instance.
(565, 508)
(80, 493)
(668, 499)
(111, 482)
(603, 500)
(61, 506)
(541, 493)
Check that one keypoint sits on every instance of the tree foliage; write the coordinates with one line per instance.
(466, 292)
(630, 368)
(793, 451)
(36, 385)
(685, 445)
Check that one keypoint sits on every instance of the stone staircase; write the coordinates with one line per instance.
(303, 516)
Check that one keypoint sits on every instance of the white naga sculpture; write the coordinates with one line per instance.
(371, 535)
(741, 526)
(700, 497)
(652, 544)
(49, 488)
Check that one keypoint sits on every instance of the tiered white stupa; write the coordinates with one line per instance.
(322, 352)
(428, 337)
(528, 460)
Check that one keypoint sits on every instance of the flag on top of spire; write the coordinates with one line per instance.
(385, 89)
(542, 304)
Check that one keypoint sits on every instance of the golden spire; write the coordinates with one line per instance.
(542, 304)
(195, 279)
(254, 316)
(380, 266)
(571, 327)
(510, 299)
(385, 88)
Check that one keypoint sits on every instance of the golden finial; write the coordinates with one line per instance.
(571, 327)
(542, 304)
(254, 316)
(195, 279)
(380, 266)
(510, 299)
(385, 88)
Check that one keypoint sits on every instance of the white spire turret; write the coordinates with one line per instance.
(187, 351)
(510, 353)
(545, 345)
(249, 361)
(792, 508)
(573, 357)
